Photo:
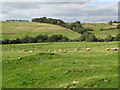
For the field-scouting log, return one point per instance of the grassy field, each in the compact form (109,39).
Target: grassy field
(81,69)
(12,30)
(96,29)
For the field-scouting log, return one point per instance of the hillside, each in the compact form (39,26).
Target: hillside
(12,30)
(96,29)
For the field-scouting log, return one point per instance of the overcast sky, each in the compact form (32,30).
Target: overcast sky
(97,11)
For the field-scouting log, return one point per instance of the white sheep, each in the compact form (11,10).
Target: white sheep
(65,51)
(60,50)
(75,49)
(25,50)
(54,51)
(49,50)
(107,49)
(88,49)
(31,51)
(115,49)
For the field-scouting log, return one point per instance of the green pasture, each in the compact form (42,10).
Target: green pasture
(12,30)
(97,32)
(96,68)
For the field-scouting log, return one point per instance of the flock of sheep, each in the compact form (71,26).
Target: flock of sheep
(75,50)
(87,49)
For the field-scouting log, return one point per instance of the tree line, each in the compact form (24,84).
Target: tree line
(37,39)
(92,38)
(76,26)
(111,22)
(87,37)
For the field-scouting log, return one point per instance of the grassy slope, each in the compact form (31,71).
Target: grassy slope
(96,68)
(97,26)
(11,30)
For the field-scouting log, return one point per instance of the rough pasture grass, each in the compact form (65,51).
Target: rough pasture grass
(12,30)
(97,26)
(39,69)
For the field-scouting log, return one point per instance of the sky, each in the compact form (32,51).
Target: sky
(96,11)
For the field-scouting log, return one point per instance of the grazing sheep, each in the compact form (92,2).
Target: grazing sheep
(60,50)
(35,46)
(31,51)
(65,51)
(88,49)
(54,51)
(75,82)
(49,50)
(24,50)
(19,58)
(75,49)
(107,46)
(107,49)
(116,49)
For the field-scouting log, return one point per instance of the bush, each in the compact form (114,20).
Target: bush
(88,37)
(91,38)
(118,26)
(56,38)
(117,37)
(41,38)
(37,39)
(109,38)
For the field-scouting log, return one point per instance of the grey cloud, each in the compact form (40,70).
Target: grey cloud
(49,0)
(83,11)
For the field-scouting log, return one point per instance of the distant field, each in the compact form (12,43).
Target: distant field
(97,26)
(12,30)
(81,69)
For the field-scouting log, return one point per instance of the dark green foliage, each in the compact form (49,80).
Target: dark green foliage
(27,39)
(47,54)
(83,37)
(6,41)
(56,38)
(118,27)
(76,26)
(110,22)
(104,29)
(91,38)
(41,38)
(100,40)
(49,20)
(37,39)
(64,39)
(109,38)
(69,26)
(117,37)
(78,22)
(88,37)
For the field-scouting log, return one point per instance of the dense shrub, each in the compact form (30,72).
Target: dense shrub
(88,37)
(91,38)
(109,38)
(49,20)
(118,26)
(57,38)
(37,39)
(117,37)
